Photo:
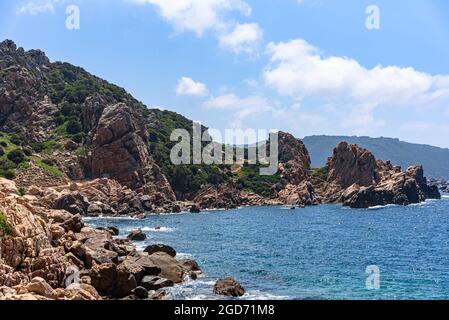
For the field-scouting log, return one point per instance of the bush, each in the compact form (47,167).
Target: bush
(22,191)
(49,162)
(74,127)
(17,139)
(28,152)
(3,144)
(17,156)
(5,227)
(9,174)
(37,147)
(2,152)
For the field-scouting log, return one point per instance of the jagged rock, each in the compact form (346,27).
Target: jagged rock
(302,194)
(140,265)
(170,268)
(224,196)
(153,248)
(81,292)
(74,203)
(39,286)
(358,180)
(112,230)
(294,159)
(195,209)
(228,287)
(189,265)
(156,283)
(401,188)
(350,165)
(140,292)
(137,235)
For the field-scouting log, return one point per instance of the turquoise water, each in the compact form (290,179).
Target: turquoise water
(314,253)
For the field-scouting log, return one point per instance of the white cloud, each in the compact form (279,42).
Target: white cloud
(244,38)
(300,70)
(188,87)
(243,108)
(198,16)
(201,16)
(35,7)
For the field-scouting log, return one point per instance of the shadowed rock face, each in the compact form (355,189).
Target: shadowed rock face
(119,144)
(350,165)
(294,159)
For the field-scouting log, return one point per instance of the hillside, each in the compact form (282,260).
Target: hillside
(434,160)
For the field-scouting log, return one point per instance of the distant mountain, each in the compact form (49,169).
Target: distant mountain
(435,160)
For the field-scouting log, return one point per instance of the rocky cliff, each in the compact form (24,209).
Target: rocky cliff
(60,124)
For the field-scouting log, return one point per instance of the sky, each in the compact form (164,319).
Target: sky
(336,67)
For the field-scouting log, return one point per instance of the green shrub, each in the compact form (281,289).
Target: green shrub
(17,156)
(74,127)
(17,139)
(9,174)
(48,161)
(37,147)
(5,227)
(22,191)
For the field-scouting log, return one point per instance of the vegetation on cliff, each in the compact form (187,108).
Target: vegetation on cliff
(5,227)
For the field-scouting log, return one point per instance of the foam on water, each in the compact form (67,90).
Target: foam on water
(158,229)
(382,207)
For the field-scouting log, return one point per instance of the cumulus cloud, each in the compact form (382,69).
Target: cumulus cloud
(300,70)
(243,38)
(198,16)
(201,16)
(35,7)
(242,108)
(188,87)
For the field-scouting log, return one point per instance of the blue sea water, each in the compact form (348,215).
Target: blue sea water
(314,253)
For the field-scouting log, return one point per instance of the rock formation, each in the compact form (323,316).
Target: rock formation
(357,180)
(228,287)
(49,254)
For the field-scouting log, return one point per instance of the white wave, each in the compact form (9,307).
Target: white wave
(181,255)
(382,207)
(158,229)
(258,295)
(445,196)
(87,219)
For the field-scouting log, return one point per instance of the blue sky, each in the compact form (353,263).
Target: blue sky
(307,67)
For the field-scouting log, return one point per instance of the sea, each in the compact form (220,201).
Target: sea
(325,252)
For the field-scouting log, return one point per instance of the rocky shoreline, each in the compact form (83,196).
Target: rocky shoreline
(73,145)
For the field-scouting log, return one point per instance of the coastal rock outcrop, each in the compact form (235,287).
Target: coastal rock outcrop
(49,254)
(228,287)
(356,179)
